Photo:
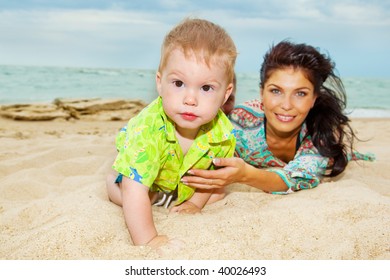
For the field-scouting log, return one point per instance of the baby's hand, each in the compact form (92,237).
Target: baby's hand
(186,207)
(169,249)
(158,241)
(165,246)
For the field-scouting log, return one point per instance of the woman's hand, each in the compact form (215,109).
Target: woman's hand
(231,170)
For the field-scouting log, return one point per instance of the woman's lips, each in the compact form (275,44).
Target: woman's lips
(284,118)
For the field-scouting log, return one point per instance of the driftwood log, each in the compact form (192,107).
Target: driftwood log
(83,109)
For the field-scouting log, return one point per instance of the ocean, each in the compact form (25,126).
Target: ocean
(367,97)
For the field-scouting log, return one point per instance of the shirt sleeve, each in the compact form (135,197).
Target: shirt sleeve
(303,172)
(138,154)
(355,155)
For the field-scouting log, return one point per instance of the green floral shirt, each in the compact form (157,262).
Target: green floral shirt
(149,152)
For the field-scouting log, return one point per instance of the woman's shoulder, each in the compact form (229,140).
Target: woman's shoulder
(248,114)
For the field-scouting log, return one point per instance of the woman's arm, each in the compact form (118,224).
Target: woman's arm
(235,170)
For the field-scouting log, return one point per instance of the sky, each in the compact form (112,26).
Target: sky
(128,34)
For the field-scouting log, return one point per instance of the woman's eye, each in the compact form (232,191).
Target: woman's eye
(178,83)
(207,88)
(301,93)
(275,91)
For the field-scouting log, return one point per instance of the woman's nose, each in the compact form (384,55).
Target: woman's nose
(286,103)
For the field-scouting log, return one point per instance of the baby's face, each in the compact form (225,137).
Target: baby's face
(192,92)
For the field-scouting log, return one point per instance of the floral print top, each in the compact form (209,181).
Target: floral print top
(303,172)
(149,152)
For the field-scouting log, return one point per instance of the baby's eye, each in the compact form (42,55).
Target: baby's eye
(207,88)
(178,83)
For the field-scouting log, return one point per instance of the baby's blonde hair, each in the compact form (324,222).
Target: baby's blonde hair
(207,41)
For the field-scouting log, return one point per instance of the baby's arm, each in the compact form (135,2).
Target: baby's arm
(138,214)
(195,203)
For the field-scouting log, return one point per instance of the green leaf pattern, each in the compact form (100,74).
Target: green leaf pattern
(148,150)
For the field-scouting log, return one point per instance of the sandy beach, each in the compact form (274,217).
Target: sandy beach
(53,203)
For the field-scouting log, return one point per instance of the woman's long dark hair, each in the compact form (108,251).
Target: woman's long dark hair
(327,124)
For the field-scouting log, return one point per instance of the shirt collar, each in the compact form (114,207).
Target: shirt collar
(217,130)
(169,124)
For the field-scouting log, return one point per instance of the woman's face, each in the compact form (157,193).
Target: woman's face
(287,97)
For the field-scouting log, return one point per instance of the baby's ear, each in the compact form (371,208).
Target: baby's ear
(228,92)
(158,83)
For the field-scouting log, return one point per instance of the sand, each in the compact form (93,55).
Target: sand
(53,204)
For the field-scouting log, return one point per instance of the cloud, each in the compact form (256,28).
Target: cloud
(129,33)
(45,36)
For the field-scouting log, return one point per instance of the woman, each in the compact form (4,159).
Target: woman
(296,135)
